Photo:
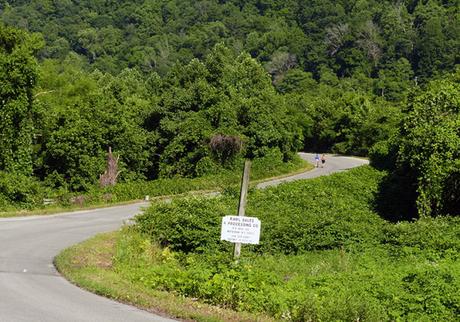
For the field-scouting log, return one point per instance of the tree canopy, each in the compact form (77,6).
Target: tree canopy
(349,37)
(185,88)
(223,95)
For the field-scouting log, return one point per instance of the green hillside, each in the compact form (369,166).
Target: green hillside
(390,40)
(109,101)
(326,254)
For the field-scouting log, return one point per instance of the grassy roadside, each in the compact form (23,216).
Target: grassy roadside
(130,193)
(89,265)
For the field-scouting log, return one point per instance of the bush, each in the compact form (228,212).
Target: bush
(324,254)
(20,191)
(329,285)
(273,163)
(432,238)
(188,225)
(383,155)
(323,213)
(429,146)
(214,179)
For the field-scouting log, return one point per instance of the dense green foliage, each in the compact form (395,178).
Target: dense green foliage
(159,127)
(60,129)
(345,66)
(325,254)
(297,217)
(81,115)
(373,38)
(425,155)
(181,89)
(18,75)
(430,146)
(340,115)
(20,192)
(374,285)
(224,95)
(262,168)
(176,88)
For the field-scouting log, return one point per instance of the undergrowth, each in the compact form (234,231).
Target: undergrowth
(22,193)
(325,254)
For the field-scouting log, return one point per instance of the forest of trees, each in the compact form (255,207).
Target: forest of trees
(386,43)
(158,80)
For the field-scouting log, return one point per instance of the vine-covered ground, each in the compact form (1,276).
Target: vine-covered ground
(325,254)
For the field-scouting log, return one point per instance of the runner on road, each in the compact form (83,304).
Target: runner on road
(317,160)
(323,160)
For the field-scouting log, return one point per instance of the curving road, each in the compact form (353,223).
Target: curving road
(333,164)
(32,290)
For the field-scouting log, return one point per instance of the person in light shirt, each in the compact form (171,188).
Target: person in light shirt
(317,160)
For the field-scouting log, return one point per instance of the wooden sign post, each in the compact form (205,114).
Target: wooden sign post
(243,198)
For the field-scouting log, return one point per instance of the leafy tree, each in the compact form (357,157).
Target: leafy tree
(398,32)
(18,75)
(347,36)
(296,80)
(82,116)
(438,33)
(430,145)
(343,119)
(145,78)
(224,95)
(423,157)
(395,81)
(430,41)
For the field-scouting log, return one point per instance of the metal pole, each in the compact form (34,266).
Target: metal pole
(243,198)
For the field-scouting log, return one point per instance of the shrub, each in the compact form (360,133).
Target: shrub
(323,213)
(324,254)
(317,286)
(19,190)
(428,146)
(188,224)
(383,154)
(432,238)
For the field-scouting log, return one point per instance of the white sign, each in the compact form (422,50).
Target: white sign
(240,229)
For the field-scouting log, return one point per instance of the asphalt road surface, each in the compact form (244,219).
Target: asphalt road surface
(32,290)
(333,164)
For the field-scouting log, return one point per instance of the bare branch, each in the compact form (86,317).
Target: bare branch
(43,93)
(225,147)
(369,41)
(335,37)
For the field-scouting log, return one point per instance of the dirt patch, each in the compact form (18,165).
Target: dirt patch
(104,258)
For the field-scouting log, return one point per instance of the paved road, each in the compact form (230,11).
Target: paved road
(333,164)
(32,290)
(30,287)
